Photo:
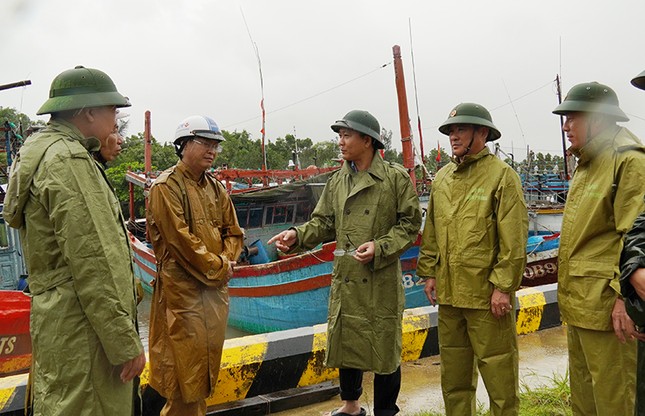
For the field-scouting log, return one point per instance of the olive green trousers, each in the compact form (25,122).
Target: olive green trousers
(471,339)
(602,373)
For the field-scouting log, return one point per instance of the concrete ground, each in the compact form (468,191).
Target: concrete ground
(542,354)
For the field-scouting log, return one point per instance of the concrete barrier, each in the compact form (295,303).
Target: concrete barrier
(259,365)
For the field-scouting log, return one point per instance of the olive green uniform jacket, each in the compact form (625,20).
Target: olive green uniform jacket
(366,301)
(83,307)
(474,238)
(605,197)
(632,258)
(194,232)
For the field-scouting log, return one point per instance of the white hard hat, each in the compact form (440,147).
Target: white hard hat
(198,126)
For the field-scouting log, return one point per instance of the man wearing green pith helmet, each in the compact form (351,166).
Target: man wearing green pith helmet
(605,196)
(632,285)
(371,209)
(86,348)
(472,258)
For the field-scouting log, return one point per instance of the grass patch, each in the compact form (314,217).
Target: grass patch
(551,399)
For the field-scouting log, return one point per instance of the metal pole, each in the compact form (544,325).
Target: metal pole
(564,143)
(404,116)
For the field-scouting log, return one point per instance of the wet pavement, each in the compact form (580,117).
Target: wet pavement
(543,354)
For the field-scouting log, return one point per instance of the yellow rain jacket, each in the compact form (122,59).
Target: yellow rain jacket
(605,198)
(366,301)
(194,231)
(475,234)
(83,307)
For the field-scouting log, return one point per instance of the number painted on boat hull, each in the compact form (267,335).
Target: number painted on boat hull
(536,271)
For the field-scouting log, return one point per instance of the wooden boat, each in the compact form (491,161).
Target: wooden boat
(15,341)
(293,292)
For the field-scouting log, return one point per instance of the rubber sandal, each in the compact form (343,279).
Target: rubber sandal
(363,412)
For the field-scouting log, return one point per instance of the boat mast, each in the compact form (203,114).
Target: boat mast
(404,115)
(564,143)
(416,97)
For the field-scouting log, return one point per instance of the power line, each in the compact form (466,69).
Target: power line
(313,96)
(511,101)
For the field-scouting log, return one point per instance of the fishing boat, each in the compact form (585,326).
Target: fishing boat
(15,341)
(285,293)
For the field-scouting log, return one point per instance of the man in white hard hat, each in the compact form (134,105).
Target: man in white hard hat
(196,239)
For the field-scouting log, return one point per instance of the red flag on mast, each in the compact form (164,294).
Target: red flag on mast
(438,158)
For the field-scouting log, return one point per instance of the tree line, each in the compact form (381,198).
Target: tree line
(241,151)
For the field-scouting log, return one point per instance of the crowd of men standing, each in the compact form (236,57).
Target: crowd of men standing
(87,354)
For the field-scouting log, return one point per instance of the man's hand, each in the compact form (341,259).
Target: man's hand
(637,279)
(229,274)
(365,252)
(500,303)
(624,327)
(284,240)
(430,290)
(133,368)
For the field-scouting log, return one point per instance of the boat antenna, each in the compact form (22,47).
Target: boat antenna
(257,55)
(564,142)
(416,96)
(515,113)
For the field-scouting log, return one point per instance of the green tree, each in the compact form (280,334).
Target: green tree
(389,153)
(432,164)
(239,151)
(132,158)
(322,154)
(19,125)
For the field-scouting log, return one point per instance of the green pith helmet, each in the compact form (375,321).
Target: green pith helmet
(639,81)
(591,97)
(471,113)
(82,88)
(362,122)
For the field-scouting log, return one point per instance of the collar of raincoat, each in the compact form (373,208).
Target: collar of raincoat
(470,159)
(183,169)
(376,169)
(92,144)
(596,144)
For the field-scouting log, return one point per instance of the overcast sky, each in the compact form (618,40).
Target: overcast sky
(322,59)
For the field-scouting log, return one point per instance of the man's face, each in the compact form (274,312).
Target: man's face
(103,122)
(461,136)
(575,126)
(353,144)
(111,147)
(199,153)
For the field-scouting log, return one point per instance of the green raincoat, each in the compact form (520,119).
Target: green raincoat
(633,257)
(475,234)
(366,301)
(83,307)
(605,197)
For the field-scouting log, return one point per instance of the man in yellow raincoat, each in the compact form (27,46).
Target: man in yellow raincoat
(371,209)
(196,239)
(605,197)
(472,258)
(86,348)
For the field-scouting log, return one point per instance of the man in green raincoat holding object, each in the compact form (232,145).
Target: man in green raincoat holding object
(371,209)
(605,196)
(632,285)
(85,344)
(472,258)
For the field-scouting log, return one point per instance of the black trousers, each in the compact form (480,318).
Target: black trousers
(386,389)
